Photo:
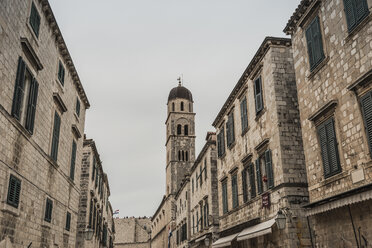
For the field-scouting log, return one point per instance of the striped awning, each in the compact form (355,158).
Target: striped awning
(225,241)
(359,197)
(256,230)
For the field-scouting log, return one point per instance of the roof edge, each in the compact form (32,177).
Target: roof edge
(297,14)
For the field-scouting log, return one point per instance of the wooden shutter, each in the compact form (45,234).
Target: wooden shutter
(232,128)
(201,175)
(90,213)
(73,160)
(243,113)
(310,44)
(224,197)
(361,9)
(258,95)
(269,169)
(244,185)
(61,73)
(68,221)
(259,177)
(31,107)
(318,42)
(35,20)
(48,210)
(14,191)
(334,162)
(93,167)
(252,180)
(77,106)
(19,89)
(324,150)
(205,169)
(55,139)
(349,12)
(234,191)
(366,102)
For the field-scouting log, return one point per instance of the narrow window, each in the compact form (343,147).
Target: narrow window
(356,11)
(173,107)
(14,191)
(221,142)
(186,130)
(234,188)
(252,180)
(190,107)
(269,170)
(201,176)
(205,168)
(245,184)
(48,210)
(55,139)
(193,224)
(94,167)
(197,221)
(329,150)
(35,20)
(183,155)
(182,106)
(90,213)
(179,129)
(179,155)
(258,95)
(187,156)
(61,73)
(314,43)
(25,97)
(201,217)
(259,177)
(230,129)
(196,179)
(77,110)
(366,103)
(192,185)
(224,197)
(68,221)
(73,159)
(244,114)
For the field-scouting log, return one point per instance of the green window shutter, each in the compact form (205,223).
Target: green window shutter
(31,108)
(324,150)
(234,186)
(93,167)
(35,20)
(232,127)
(252,180)
(224,197)
(366,102)
(68,221)
(259,177)
(73,160)
(19,89)
(48,210)
(310,46)
(332,147)
(355,11)
(201,176)
(361,9)
(258,94)
(244,185)
(55,139)
(61,73)
(77,107)
(221,142)
(349,12)
(243,114)
(269,169)
(14,191)
(314,43)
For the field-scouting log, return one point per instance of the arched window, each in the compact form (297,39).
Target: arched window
(186,131)
(173,106)
(183,156)
(179,129)
(182,107)
(187,156)
(179,155)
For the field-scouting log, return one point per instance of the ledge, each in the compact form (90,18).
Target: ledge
(262,144)
(360,82)
(358,27)
(58,100)
(324,109)
(247,158)
(318,67)
(76,131)
(31,54)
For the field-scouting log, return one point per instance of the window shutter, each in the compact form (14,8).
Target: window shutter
(77,106)
(55,139)
(252,180)
(317,40)
(269,169)
(258,95)
(73,159)
(366,102)
(334,162)
(48,210)
(259,176)
(201,176)
(310,44)
(244,184)
(324,150)
(35,20)
(243,113)
(14,191)
(31,108)
(90,213)
(93,168)
(68,221)
(19,89)
(232,127)
(361,10)
(224,197)
(349,12)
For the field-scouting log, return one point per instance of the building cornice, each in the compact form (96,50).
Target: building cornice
(297,15)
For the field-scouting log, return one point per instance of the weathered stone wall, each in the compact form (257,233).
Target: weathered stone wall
(28,156)
(132,232)
(182,201)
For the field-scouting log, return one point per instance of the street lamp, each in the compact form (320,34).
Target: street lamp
(280,220)
(206,242)
(88,233)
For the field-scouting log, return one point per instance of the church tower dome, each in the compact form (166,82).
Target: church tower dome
(180,92)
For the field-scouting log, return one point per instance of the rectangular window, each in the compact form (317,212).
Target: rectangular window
(329,150)
(196,179)
(197,221)
(48,210)
(356,11)
(14,191)
(77,110)
(192,185)
(221,142)
(25,96)
(73,159)
(244,114)
(366,103)
(90,213)
(314,43)
(205,169)
(252,181)
(258,94)
(201,217)
(245,184)
(193,224)
(201,176)
(35,20)
(264,172)
(55,139)
(224,197)
(94,167)
(234,189)
(61,73)
(259,177)
(230,129)
(68,221)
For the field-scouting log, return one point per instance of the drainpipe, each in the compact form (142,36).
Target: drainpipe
(352,222)
(311,235)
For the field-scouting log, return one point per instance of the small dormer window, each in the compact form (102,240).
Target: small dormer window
(182,106)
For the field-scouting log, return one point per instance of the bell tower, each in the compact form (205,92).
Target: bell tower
(180,137)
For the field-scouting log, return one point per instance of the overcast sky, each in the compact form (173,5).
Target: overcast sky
(129,53)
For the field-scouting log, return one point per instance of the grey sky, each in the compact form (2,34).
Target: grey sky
(129,54)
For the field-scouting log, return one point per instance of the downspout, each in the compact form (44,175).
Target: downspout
(311,235)
(352,222)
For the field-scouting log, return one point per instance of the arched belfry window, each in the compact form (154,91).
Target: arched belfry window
(183,156)
(186,131)
(179,155)
(187,156)
(179,129)
(173,106)
(182,107)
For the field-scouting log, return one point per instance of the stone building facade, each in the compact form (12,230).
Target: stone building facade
(95,211)
(203,226)
(261,164)
(181,234)
(180,155)
(42,116)
(332,48)
(132,232)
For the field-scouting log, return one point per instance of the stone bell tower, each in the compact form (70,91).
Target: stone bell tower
(180,140)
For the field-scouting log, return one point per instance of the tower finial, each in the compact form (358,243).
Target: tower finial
(179,81)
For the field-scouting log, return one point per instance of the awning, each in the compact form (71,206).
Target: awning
(359,197)
(225,241)
(200,239)
(257,230)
